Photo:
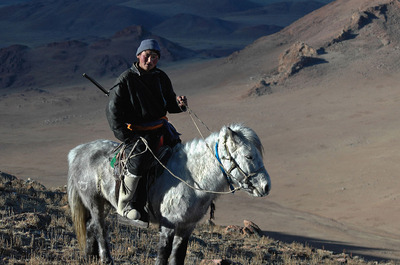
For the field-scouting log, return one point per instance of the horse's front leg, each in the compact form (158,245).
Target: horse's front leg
(165,245)
(179,246)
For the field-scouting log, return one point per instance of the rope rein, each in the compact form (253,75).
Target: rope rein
(226,173)
(180,179)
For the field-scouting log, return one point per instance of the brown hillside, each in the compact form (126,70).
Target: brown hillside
(329,128)
(370,26)
(36,228)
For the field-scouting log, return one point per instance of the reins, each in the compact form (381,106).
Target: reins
(177,177)
(226,173)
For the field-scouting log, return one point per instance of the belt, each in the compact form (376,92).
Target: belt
(148,126)
(163,121)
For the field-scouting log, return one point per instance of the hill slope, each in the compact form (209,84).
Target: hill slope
(323,96)
(35,227)
(323,93)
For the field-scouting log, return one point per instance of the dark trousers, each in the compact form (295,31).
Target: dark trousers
(140,158)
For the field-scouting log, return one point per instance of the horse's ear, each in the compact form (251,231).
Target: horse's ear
(224,134)
(227,133)
(232,134)
(227,136)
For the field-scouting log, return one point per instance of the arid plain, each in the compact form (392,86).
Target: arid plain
(328,117)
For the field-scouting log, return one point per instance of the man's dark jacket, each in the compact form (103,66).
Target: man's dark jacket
(140,97)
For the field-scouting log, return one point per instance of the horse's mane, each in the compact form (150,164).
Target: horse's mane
(244,133)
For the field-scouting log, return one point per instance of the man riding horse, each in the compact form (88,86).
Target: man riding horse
(137,108)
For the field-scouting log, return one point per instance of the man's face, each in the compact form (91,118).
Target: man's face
(148,59)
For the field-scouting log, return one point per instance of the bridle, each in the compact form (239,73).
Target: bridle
(227,174)
(234,165)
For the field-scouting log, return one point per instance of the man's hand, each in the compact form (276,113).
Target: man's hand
(182,101)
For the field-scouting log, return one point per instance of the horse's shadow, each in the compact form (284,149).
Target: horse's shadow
(331,245)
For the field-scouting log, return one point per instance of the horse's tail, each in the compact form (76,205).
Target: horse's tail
(79,212)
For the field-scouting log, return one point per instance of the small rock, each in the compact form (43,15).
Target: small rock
(341,260)
(251,228)
(215,262)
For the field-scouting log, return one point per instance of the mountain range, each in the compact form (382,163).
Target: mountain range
(63,38)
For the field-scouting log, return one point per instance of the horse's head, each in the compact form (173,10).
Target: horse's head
(241,155)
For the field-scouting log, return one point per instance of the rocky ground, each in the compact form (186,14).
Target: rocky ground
(35,228)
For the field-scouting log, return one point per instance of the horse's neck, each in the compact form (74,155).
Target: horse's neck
(203,166)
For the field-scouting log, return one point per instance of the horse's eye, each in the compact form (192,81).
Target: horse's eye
(249,157)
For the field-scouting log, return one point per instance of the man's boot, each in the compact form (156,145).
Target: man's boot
(126,192)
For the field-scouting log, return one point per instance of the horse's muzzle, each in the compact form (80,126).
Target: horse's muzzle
(265,185)
(261,191)
(267,188)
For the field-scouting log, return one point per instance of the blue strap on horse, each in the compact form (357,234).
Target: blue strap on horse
(228,178)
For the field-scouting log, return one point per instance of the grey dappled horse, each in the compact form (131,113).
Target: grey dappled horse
(176,206)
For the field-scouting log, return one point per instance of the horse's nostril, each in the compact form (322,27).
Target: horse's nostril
(266,189)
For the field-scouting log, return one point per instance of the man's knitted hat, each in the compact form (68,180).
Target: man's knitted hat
(149,44)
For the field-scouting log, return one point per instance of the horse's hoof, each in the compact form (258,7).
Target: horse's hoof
(108,261)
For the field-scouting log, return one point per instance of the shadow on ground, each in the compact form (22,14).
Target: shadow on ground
(335,246)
